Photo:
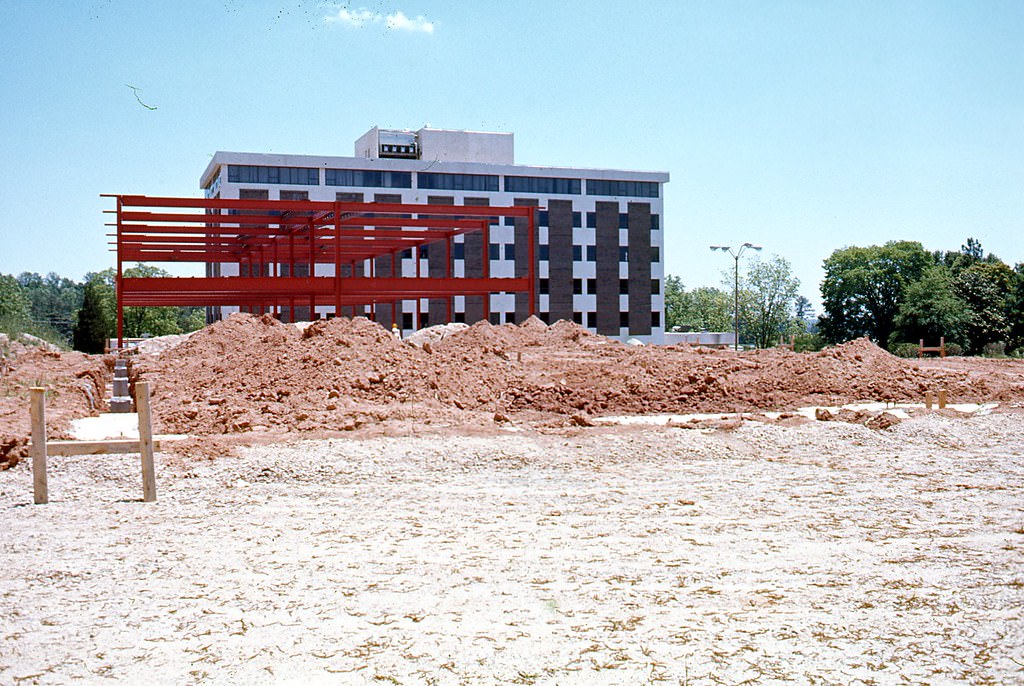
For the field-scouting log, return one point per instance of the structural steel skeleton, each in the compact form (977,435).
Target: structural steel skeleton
(277,245)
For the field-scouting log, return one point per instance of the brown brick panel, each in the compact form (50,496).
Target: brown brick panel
(474,265)
(522,261)
(639,239)
(560,260)
(437,256)
(384,266)
(607,247)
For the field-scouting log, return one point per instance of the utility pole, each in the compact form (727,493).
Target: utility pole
(736,284)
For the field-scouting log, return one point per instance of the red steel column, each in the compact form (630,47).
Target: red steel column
(118,284)
(532,273)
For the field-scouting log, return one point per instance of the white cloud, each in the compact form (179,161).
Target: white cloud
(397,20)
(358,18)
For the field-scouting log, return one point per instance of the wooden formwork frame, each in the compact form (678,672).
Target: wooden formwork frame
(40,447)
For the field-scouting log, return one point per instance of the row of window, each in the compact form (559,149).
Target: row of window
(577,220)
(580,253)
(589,286)
(368,178)
(299,176)
(310,176)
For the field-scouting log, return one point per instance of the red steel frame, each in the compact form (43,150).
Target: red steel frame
(261,236)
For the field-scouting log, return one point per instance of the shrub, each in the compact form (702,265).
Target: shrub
(997,349)
(808,343)
(904,349)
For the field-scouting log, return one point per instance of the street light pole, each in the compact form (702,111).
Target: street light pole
(736,285)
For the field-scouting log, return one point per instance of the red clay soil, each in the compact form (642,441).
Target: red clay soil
(75,386)
(252,376)
(255,374)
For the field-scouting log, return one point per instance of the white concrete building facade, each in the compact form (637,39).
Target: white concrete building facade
(601,231)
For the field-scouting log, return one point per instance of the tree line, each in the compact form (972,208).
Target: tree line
(897,294)
(83,314)
(771,308)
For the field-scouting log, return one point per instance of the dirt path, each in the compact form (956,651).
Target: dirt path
(822,553)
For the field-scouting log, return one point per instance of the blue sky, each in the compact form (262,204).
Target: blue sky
(802,126)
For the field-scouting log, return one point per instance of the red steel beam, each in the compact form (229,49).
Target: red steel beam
(161,229)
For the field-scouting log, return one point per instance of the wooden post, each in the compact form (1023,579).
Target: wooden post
(38,412)
(929,398)
(146,441)
(942,398)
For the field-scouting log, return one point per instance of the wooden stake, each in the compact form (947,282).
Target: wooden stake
(929,398)
(38,411)
(942,398)
(146,441)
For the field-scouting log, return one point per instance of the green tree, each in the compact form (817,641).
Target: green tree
(709,309)
(864,287)
(94,324)
(767,306)
(54,301)
(1015,309)
(930,310)
(674,301)
(14,305)
(984,287)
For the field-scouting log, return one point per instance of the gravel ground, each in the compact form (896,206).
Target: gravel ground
(813,554)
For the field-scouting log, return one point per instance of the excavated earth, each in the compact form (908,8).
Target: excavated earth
(75,385)
(252,373)
(250,376)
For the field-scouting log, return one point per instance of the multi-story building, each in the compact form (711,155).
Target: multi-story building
(601,231)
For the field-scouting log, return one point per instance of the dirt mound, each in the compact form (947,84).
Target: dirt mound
(256,374)
(76,387)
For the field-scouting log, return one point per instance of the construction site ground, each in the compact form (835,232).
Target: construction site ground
(350,508)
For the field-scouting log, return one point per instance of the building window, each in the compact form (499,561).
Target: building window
(542,218)
(405,254)
(634,189)
(655,222)
(296,176)
(368,178)
(623,220)
(623,286)
(623,320)
(591,253)
(495,251)
(294,195)
(623,253)
(458,251)
(542,251)
(577,286)
(542,184)
(457,182)
(591,220)
(545,317)
(510,251)
(577,220)
(407,320)
(495,318)
(655,254)
(655,286)
(578,318)
(655,319)
(544,286)
(592,286)
(459,317)
(577,253)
